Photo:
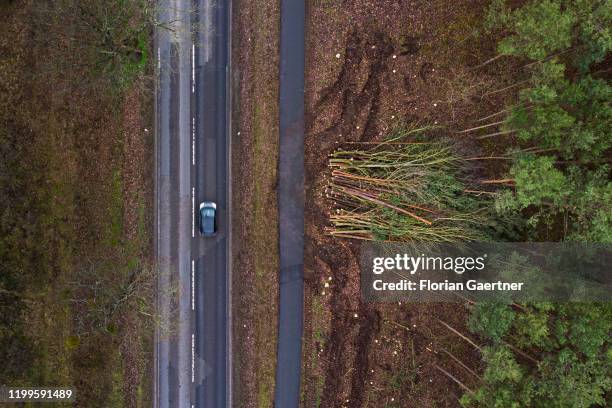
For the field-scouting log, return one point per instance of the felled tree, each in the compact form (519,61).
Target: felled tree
(403,191)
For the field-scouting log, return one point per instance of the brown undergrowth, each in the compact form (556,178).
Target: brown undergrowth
(371,65)
(78,224)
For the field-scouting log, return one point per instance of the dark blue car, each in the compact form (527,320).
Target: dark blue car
(208,218)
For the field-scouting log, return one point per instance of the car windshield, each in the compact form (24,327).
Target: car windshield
(209,212)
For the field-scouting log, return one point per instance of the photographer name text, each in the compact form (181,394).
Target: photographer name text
(428,285)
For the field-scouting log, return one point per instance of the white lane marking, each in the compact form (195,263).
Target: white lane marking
(193,140)
(192,357)
(192,68)
(158,58)
(192,212)
(192,284)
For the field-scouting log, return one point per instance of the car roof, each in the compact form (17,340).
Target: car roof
(208,204)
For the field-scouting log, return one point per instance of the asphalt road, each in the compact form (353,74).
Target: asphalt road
(192,359)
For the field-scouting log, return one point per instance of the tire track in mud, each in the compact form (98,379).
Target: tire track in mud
(366,54)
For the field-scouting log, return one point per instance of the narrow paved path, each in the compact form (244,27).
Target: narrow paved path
(291,204)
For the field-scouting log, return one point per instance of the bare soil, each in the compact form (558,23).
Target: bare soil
(370,65)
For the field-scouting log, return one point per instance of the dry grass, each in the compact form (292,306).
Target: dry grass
(255,225)
(73,122)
